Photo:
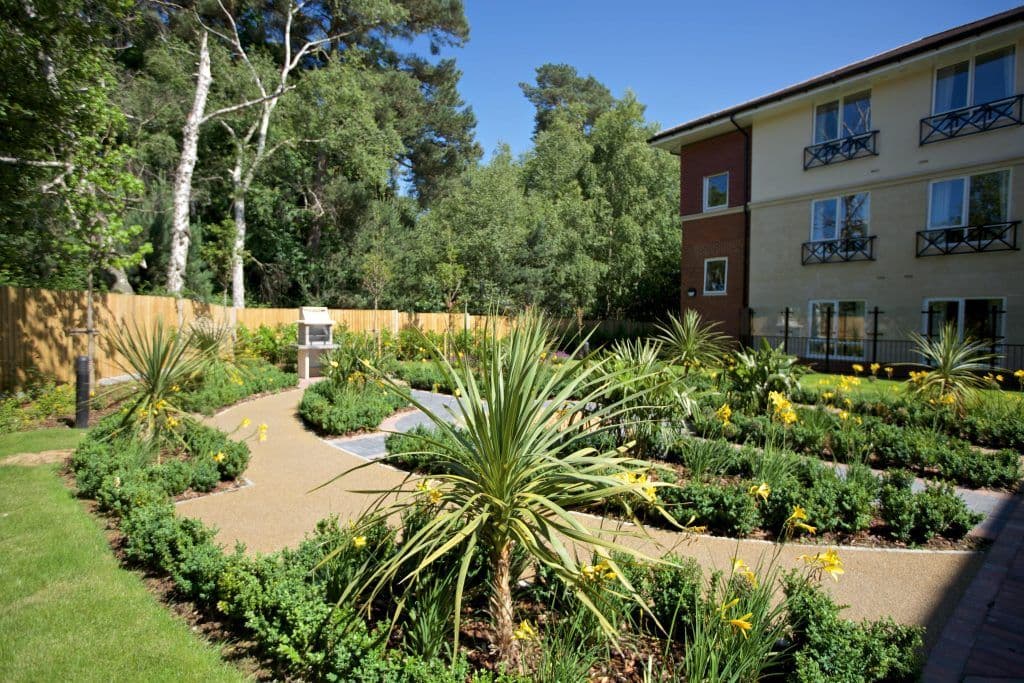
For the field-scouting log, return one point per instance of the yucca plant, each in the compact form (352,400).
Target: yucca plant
(956,367)
(691,342)
(506,479)
(161,361)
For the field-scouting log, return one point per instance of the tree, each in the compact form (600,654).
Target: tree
(559,87)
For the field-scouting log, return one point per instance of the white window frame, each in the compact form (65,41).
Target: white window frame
(839,206)
(704,199)
(961,310)
(725,278)
(966,207)
(839,116)
(970,77)
(835,324)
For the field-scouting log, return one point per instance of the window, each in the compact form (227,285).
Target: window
(715,272)
(840,218)
(986,78)
(853,117)
(836,327)
(716,191)
(978,319)
(976,200)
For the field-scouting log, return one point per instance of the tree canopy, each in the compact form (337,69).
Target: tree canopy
(339,168)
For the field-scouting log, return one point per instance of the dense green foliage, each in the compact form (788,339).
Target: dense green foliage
(342,407)
(222,384)
(364,187)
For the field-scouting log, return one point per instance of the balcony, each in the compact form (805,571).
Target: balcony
(970,120)
(843,149)
(839,251)
(972,239)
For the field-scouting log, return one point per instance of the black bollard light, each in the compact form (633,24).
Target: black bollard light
(81,392)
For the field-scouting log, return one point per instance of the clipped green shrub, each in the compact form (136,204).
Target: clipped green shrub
(918,517)
(204,443)
(424,375)
(344,407)
(829,648)
(728,510)
(222,384)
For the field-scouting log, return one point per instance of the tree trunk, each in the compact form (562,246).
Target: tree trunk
(501,608)
(238,247)
(183,177)
(90,331)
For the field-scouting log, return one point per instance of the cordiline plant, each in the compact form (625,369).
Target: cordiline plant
(956,367)
(161,361)
(691,342)
(507,478)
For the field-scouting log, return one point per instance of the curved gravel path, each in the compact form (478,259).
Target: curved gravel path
(280,507)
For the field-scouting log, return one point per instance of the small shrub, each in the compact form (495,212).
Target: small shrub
(728,510)
(424,375)
(829,648)
(918,517)
(341,408)
(204,443)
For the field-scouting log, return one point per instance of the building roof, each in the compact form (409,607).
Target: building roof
(929,43)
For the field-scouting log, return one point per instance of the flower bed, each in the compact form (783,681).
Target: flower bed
(222,384)
(342,407)
(298,606)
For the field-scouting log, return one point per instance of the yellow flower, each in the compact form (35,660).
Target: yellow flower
(245,422)
(761,491)
(797,520)
(359,541)
(743,569)
(828,395)
(457,393)
(262,433)
(827,562)
(334,363)
(889,370)
(525,632)
(1019,374)
(726,606)
(171,421)
(948,399)
(798,513)
(724,413)
(843,415)
(742,623)
(999,378)
(219,457)
(875,367)
(858,368)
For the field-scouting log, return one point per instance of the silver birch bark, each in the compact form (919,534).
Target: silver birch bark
(180,234)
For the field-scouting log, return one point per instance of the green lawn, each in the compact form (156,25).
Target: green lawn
(39,440)
(869,387)
(68,612)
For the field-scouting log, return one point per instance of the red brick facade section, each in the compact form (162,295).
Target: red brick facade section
(714,234)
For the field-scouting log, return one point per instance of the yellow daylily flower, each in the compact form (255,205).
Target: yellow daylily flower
(858,368)
(359,541)
(762,490)
(525,632)
(742,624)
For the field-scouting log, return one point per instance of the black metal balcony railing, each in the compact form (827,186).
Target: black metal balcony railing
(968,240)
(843,149)
(839,251)
(971,120)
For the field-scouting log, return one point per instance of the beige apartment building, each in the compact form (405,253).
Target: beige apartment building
(883,198)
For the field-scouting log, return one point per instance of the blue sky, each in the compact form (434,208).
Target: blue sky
(681,58)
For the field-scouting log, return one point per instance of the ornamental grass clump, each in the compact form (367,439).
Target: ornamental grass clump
(691,343)
(508,476)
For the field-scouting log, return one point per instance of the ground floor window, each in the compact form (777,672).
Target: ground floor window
(836,328)
(715,271)
(977,318)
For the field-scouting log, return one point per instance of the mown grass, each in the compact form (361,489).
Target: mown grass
(68,612)
(39,440)
(871,388)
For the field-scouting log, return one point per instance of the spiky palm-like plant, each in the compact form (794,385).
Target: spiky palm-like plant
(691,342)
(508,477)
(161,361)
(956,367)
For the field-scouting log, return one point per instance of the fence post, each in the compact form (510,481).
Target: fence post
(82,390)
(874,335)
(994,329)
(828,338)
(785,333)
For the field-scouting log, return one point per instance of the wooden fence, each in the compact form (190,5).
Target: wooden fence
(41,330)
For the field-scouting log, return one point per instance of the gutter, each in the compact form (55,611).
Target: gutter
(747,172)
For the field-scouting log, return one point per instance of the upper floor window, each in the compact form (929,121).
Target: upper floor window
(716,191)
(840,218)
(843,118)
(986,78)
(981,199)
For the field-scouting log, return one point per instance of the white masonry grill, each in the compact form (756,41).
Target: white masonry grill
(316,335)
